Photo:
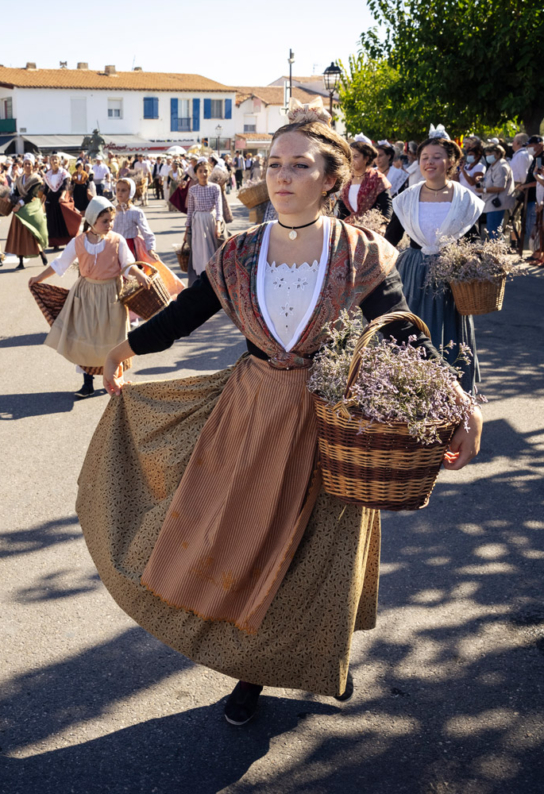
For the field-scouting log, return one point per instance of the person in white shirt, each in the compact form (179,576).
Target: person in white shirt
(521,161)
(413,170)
(100,173)
(472,168)
(164,173)
(157,178)
(396,175)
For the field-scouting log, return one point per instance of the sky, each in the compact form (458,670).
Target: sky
(233,42)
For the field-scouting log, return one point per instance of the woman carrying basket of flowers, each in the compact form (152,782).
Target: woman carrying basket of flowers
(247,566)
(92,318)
(434,213)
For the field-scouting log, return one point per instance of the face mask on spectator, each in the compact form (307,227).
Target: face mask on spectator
(470,159)
(531,150)
(490,158)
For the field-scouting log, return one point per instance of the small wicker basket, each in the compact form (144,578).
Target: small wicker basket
(478,297)
(6,207)
(145,301)
(376,465)
(254,195)
(183,255)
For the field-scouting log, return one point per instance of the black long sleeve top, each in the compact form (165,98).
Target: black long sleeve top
(198,303)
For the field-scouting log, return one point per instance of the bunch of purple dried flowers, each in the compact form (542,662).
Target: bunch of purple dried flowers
(371,219)
(464,260)
(396,383)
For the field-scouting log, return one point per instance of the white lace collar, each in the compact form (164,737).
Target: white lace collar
(261,268)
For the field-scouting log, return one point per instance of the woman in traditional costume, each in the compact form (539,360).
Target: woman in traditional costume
(247,566)
(80,187)
(204,220)
(173,181)
(433,213)
(220,176)
(92,317)
(27,236)
(63,221)
(368,188)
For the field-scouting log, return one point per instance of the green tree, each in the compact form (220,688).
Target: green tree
(479,62)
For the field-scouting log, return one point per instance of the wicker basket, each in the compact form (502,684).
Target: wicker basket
(183,254)
(5,206)
(478,297)
(145,301)
(254,195)
(373,464)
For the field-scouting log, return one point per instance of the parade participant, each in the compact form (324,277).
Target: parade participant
(157,179)
(256,572)
(130,220)
(100,172)
(367,188)
(56,183)
(92,318)
(220,176)
(27,236)
(397,177)
(124,170)
(433,213)
(204,216)
(80,187)
(175,178)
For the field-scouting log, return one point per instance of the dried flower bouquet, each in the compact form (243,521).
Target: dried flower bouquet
(385,415)
(476,272)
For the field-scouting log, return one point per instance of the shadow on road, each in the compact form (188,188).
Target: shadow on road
(20,406)
(50,533)
(25,340)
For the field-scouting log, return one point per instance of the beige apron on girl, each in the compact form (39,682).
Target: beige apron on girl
(93,320)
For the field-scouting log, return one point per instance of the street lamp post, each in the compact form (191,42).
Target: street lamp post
(218,131)
(291,60)
(331,78)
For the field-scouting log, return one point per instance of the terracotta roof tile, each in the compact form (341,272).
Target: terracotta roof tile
(254,136)
(271,94)
(121,81)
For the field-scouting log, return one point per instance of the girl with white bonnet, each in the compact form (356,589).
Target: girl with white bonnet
(27,235)
(130,221)
(92,318)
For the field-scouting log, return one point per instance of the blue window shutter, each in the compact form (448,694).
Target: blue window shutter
(151,107)
(155,107)
(207,108)
(147,108)
(196,115)
(228,108)
(173,115)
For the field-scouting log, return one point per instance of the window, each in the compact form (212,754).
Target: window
(115,108)
(180,115)
(6,108)
(213,109)
(250,124)
(151,107)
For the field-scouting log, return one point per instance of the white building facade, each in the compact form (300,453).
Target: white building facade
(154,107)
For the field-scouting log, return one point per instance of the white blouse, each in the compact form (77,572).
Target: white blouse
(69,255)
(353,193)
(431,218)
(288,294)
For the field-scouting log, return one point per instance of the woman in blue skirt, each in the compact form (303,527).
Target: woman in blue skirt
(433,213)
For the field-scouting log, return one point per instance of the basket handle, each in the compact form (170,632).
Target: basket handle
(370,331)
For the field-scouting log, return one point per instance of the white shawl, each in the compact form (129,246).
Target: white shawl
(465,210)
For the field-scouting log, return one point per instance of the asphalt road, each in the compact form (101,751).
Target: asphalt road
(449,687)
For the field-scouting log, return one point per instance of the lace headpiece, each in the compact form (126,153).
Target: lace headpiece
(438,132)
(361,138)
(311,111)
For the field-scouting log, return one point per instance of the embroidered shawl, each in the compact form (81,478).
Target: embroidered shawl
(359,260)
(24,188)
(56,182)
(373,183)
(465,210)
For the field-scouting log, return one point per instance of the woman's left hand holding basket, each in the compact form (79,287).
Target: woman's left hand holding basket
(464,445)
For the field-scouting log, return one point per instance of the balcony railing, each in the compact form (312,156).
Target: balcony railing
(8,125)
(184,125)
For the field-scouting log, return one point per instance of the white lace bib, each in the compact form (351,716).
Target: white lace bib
(288,294)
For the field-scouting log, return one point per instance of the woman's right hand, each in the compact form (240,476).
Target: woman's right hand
(112,377)
(34,280)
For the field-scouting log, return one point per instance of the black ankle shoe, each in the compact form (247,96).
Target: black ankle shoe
(21,265)
(87,389)
(242,703)
(348,691)
(43,258)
